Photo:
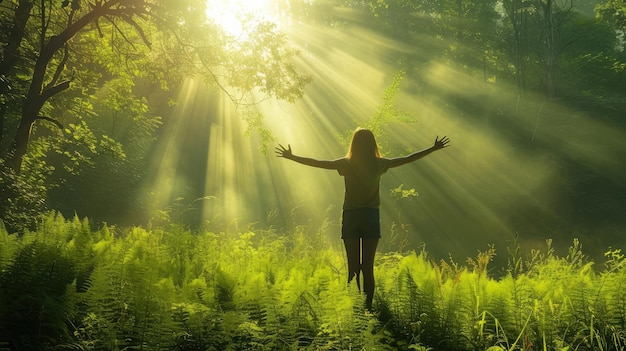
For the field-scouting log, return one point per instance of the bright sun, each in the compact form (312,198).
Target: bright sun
(233,15)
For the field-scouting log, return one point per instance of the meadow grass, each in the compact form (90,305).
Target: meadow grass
(66,286)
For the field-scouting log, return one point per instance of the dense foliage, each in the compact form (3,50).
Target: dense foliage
(87,86)
(66,286)
(87,83)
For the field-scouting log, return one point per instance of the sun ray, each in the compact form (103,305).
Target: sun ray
(486,188)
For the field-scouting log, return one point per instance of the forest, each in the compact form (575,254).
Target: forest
(141,207)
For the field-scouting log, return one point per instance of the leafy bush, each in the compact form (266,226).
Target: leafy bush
(22,196)
(66,286)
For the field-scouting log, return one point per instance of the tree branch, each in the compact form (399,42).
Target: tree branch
(52,120)
(53,90)
(60,68)
(138,28)
(100,33)
(120,32)
(128,19)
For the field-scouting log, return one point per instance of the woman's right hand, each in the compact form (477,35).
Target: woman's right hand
(281,151)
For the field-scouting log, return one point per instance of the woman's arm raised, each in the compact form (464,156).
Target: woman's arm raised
(281,151)
(438,145)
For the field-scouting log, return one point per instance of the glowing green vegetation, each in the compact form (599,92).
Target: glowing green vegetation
(68,287)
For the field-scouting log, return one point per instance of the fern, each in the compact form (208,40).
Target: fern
(67,286)
(33,291)
(305,319)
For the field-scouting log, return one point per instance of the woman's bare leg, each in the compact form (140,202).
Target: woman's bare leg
(367,266)
(353,253)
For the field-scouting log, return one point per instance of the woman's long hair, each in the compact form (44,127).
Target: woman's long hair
(363,145)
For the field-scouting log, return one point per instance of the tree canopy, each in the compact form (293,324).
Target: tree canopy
(67,63)
(87,87)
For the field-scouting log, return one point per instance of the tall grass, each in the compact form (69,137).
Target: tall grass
(66,286)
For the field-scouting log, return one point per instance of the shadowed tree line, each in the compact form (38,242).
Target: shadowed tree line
(86,86)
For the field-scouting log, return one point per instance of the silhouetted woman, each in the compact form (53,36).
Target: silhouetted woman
(361,168)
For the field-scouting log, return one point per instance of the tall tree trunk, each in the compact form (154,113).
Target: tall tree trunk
(38,94)
(3,110)
(517,16)
(35,98)
(11,53)
(549,48)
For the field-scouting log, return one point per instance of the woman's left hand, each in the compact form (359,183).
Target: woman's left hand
(441,143)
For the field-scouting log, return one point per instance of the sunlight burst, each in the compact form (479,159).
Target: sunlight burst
(236,16)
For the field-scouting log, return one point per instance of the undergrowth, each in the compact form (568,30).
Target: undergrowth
(68,287)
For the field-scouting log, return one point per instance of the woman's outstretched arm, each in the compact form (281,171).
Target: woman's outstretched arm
(281,151)
(438,145)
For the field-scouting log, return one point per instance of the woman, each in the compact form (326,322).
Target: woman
(361,168)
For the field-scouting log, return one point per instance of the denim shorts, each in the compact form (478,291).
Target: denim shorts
(360,223)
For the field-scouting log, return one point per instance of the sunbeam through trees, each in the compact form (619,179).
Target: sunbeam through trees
(140,207)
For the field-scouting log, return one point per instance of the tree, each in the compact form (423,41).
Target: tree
(53,51)
(550,17)
(516,11)
(537,35)
(613,11)
(57,54)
